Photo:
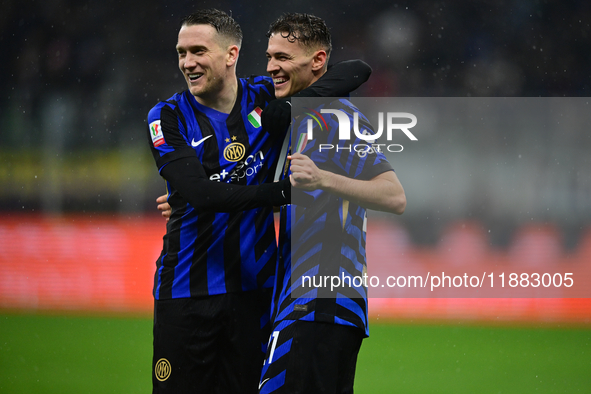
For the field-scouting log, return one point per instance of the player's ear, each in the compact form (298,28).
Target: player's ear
(232,55)
(319,60)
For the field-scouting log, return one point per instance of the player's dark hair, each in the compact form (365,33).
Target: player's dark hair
(223,23)
(309,30)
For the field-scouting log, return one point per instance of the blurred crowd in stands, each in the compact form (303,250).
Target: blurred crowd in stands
(81,75)
(107,62)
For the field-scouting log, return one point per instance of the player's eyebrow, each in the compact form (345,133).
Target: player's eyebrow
(278,54)
(193,48)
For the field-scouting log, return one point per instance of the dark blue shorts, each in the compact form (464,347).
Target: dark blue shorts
(211,344)
(311,357)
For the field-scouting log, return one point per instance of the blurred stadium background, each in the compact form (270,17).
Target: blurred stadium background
(79,233)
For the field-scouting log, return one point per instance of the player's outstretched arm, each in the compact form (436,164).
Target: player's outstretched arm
(381,193)
(188,177)
(179,165)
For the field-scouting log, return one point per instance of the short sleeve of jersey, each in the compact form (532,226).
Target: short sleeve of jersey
(167,132)
(354,158)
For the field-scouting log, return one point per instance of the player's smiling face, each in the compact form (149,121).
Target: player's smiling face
(291,65)
(203,59)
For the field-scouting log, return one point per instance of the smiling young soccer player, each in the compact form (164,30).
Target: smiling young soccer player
(316,333)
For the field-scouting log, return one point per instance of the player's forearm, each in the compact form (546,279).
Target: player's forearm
(187,177)
(340,79)
(382,193)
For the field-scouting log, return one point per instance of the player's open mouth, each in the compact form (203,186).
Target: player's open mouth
(280,80)
(194,77)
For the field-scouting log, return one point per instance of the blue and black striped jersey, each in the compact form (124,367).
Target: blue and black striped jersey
(326,238)
(211,253)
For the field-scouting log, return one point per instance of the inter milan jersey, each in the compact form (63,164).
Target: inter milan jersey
(326,238)
(211,253)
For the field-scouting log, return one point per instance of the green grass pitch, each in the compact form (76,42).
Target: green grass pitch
(53,354)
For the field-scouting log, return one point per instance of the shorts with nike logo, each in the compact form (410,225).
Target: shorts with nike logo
(310,357)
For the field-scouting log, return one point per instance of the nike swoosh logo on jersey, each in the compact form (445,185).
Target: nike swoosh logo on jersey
(263,382)
(196,144)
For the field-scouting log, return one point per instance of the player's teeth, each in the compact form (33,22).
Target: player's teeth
(279,80)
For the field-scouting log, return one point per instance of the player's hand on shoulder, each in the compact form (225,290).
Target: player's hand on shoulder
(276,116)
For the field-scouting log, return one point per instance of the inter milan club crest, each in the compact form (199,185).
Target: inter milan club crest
(162,369)
(235,151)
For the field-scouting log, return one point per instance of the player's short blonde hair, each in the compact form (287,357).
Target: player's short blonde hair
(223,23)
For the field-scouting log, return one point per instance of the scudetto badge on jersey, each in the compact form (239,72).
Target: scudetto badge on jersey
(156,133)
(255,117)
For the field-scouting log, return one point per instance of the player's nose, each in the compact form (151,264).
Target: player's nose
(272,66)
(190,61)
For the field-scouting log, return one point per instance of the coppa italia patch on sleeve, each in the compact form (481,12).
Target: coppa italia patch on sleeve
(156,133)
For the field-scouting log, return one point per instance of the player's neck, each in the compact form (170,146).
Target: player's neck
(224,99)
